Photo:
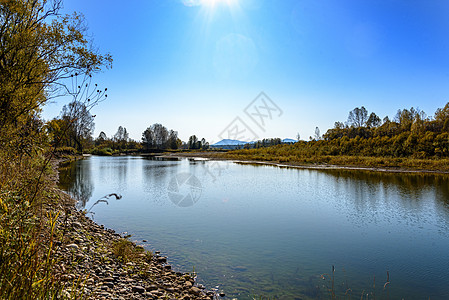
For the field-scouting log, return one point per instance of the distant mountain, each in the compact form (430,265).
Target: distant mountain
(228,142)
(289,141)
(234,144)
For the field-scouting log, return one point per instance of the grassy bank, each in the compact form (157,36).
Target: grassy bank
(29,207)
(288,154)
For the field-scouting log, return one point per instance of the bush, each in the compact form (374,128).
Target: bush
(102,151)
(125,251)
(61,151)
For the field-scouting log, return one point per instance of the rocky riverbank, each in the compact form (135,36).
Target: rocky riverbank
(97,263)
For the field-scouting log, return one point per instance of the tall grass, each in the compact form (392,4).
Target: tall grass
(316,153)
(27,228)
(343,291)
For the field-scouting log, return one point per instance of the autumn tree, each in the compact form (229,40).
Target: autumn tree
(160,134)
(193,142)
(158,137)
(442,117)
(57,130)
(373,120)
(121,134)
(173,140)
(40,52)
(338,131)
(357,117)
(121,137)
(405,118)
(101,138)
(148,138)
(80,124)
(39,49)
(204,144)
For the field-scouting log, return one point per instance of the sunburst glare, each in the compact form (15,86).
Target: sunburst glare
(213,3)
(210,3)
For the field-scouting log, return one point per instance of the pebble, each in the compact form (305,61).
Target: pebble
(72,246)
(86,254)
(138,289)
(195,290)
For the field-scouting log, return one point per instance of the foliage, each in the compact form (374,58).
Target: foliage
(39,51)
(195,144)
(126,251)
(75,125)
(265,143)
(26,267)
(61,151)
(358,117)
(121,137)
(158,137)
(74,128)
(119,143)
(412,141)
(102,151)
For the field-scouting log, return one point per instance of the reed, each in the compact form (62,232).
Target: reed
(342,291)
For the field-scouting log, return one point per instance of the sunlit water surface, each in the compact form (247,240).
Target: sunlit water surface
(277,232)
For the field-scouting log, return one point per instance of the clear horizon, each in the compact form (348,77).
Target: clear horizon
(195,66)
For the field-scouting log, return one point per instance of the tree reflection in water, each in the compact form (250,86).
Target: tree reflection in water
(76,180)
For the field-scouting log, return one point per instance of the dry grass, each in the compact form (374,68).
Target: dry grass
(127,251)
(27,230)
(289,155)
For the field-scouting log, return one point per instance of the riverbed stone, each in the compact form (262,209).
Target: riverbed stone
(72,246)
(196,291)
(86,255)
(138,289)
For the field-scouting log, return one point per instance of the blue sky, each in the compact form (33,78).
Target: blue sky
(195,65)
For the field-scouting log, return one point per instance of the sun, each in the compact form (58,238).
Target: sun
(213,3)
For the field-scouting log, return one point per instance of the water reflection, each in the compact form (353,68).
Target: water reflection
(75,178)
(374,197)
(272,231)
(407,182)
(160,158)
(156,175)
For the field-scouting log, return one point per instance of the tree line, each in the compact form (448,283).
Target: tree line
(410,139)
(410,133)
(74,127)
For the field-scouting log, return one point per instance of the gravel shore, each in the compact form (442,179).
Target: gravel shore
(90,267)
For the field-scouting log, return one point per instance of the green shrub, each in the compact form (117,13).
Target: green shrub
(125,251)
(61,151)
(102,151)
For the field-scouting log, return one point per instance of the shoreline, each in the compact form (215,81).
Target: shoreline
(296,165)
(95,262)
(87,255)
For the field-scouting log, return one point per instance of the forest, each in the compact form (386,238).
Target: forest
(410,140)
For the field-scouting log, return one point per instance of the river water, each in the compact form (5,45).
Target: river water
(266,231)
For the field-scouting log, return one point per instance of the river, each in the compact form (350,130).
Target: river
(267,231)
